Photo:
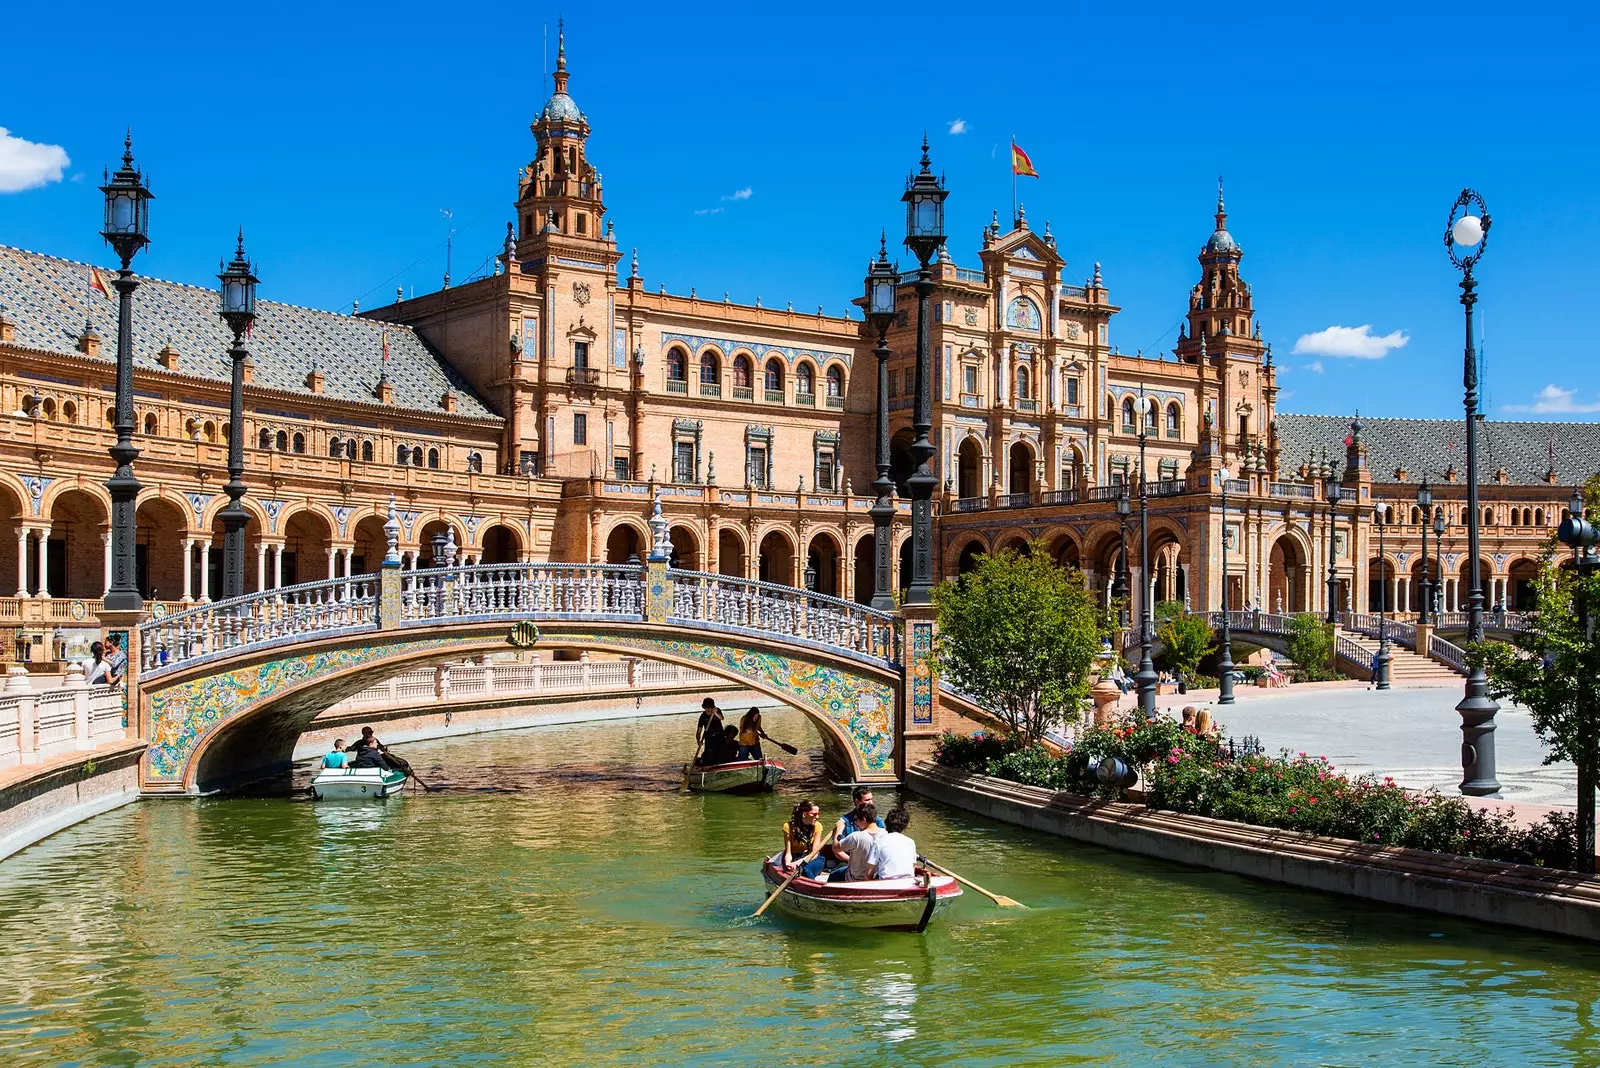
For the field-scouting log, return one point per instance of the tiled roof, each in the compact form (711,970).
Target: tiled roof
(49,300)
(1524,449)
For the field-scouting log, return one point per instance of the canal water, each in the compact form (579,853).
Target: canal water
(559,902)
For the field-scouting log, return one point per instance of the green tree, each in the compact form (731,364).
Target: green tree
(1188,638)
(1309,644)
(1020,635)
(1553,670)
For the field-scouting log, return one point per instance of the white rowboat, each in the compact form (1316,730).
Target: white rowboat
(355,784)
(738,777)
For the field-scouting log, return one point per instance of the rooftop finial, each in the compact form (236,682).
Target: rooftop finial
(927,164)
(1097,281)
(633,271)
(127,148)
(1222,212)
(883,246)
(240,251)
(561,44)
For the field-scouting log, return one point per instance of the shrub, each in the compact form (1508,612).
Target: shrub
(1310,645)
(1187,638)
(972,752)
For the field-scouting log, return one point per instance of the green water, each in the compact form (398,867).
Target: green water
(560,903)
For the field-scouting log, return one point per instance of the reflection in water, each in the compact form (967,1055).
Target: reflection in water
(561,902)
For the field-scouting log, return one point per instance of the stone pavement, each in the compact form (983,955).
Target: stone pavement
(1412,734)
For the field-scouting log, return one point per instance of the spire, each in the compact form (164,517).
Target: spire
(1222,211)
(561,55)
(1097,283)
(927,163)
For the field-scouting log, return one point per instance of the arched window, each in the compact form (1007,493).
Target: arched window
(69,412)
(50,408)
(1153,416)
(227,432)
(775,377)
(300,443)
(402,455)
(676,363)
(1022,382)
(710,369)
(433,458)
(1127,415)
(804,380)
(835,382)
(1174,420)
(366,451)
(1416,517)
(283,441)
(1488,517)
(209,431)
(1538,517)
(191,429)
(741,372)
(264,439)
(111,418)
(150,423)
(335,447)
(475,462)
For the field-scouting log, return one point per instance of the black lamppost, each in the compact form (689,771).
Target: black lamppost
(1381,669)
(1333,490)
(238,310)
(1225,658)
(1581,536)
(1146,677)
(880,308)
(1438,568)
(1424,584)
(924,199)
(1466,236)
(1119,584)
(127,231)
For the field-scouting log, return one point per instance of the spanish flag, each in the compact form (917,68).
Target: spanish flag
(100,282)
(1020,163)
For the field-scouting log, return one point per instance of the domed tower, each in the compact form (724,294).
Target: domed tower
(1221,302)
(559,191)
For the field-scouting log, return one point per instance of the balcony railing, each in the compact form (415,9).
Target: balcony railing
(971,504)
(835,402)
(710,389)
(1026,405)
(1302,490)
(743,393)
(583,376)
(774,396)
(808,399)
(967,274)
(1016,500)
(1063,496)
(677,385)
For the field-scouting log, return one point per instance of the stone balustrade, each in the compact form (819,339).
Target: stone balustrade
(38,724)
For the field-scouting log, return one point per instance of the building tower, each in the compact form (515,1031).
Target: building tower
(559,191)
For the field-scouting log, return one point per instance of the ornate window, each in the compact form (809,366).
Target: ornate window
(1023,314)
(475,462)
(402,455)
(366,451)
(805,382)
(299,443)
(825,460)
(835,382)
(433,458)
(263,439)
(150,424)
(710,369)
(580,428)
(741,372)
(1174,420)
(1023,382)
(676,365)
(283,441)
(774,380)
(1127,415)
(335,447)
(686,450)
(758,456)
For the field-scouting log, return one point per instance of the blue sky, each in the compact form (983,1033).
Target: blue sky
(335,134)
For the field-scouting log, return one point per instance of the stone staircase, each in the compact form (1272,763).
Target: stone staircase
(1406,668)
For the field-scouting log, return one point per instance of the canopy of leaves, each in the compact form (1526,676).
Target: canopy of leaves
(1187,638)
(1309,644)
(1020,635)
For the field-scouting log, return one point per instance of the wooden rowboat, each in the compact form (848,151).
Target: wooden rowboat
(356,784)
(738,777)
(892,904)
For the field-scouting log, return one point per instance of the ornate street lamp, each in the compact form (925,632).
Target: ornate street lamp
(1438,568)
(127,230)
(1146,677)
(1334,491)
(1581,536)
(924,199)
(809,575)
(1425,586)
(1466,236)
(1119,584)
(1225,658)
(238,310)
(880,308)
(1381,670)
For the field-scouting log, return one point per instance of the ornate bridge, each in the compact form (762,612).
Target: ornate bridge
(224,689)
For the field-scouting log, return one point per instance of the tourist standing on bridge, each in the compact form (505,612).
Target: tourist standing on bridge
(750,735)
(116,659)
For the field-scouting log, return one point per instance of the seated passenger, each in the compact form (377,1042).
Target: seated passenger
(856,847)
(802,840)
(893,855)
(337,758)
(718,747)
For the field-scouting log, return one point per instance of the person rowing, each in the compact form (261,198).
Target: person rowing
(750,735)
(708,731)
(369,751)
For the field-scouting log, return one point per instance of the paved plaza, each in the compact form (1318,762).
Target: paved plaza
(1412,734)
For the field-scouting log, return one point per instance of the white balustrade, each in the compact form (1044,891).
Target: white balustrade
(38,725)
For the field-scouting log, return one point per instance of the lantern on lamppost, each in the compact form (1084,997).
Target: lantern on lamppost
(1225,655)
(1380,670)
(882,277)
(1119,584)
(238,310)
(924,200)
(127,231)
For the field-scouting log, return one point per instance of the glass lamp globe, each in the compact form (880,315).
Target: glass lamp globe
(1467,231)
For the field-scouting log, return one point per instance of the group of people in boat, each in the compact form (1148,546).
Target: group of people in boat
(718,742)
(861,847)
(365,752)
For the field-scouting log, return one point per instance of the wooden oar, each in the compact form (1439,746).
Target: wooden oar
(785,884)
(785,746)
(405,766)
(998,899)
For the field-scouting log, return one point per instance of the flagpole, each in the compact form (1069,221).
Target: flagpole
(1012,156)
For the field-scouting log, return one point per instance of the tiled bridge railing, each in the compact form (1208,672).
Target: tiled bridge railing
(692,600)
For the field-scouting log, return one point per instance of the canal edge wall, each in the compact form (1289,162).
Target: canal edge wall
(1516,895)
(37,800)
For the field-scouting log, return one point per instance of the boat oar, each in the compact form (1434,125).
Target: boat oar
(785,746)
(405,766)
(998,899)
(785,884)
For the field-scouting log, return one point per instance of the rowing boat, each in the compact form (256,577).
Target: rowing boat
(893,904)
(737,777)
(354,784)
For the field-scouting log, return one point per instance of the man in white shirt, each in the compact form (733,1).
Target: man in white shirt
(893,855)
(857,845)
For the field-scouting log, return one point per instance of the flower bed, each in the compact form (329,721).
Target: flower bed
(1190,775)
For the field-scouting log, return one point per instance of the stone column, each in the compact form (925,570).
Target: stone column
(106,583)
(44,562)
(333,563)
(205,569)
(277,567)
(22,561)
(188,570)
(261,566)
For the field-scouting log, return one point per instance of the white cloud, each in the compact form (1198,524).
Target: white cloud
(958,126)
(1315,367)
(1356,342)
(708,211)
(25,165)
(740,194)
(1553,400)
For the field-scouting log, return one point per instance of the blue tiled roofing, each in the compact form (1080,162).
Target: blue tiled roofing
(562,108)
(1524,449)
(49,300)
